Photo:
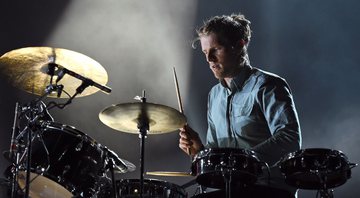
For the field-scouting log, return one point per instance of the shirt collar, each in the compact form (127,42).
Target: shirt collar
(238,81)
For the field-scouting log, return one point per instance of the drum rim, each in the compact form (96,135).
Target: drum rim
(168,185)
(70,130)
(147,180)
(302,152)
(227,151)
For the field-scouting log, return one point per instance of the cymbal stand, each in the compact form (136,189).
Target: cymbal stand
(227,173)
(143,126)
(33,112)
(111,166)
(14,153)
(324,192)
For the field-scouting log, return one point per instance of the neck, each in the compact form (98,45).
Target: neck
(227,81)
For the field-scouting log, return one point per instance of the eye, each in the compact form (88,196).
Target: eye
(216,50)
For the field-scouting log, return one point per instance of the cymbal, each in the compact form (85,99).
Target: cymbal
(125,117)
(26,69)
(169,173)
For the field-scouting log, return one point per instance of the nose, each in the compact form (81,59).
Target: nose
(210,57)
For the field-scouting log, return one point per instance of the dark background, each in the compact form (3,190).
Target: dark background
(313,44)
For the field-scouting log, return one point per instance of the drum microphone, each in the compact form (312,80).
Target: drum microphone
(85,80)
(59,90)
(60,75)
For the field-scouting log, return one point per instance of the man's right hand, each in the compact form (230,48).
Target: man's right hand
(190,141)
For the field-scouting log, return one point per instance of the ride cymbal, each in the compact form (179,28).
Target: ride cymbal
(27,69)
(126,117)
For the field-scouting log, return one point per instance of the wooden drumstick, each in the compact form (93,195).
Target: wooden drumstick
(178,93)
(179,99)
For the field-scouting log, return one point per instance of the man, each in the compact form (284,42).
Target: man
(248,108)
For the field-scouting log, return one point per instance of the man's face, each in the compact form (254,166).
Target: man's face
(222,60)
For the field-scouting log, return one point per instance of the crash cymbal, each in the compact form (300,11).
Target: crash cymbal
(125,117)
(26,69)
(169,173)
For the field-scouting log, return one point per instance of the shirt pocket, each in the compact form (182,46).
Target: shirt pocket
(242,105)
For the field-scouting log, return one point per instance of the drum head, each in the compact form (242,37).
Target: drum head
(313,168)
(42,187)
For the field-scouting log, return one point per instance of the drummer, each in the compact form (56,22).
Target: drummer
(249,108)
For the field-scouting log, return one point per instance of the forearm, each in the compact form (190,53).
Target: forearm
(280,143)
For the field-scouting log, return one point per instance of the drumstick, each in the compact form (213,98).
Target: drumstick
(178,92)
(179,99)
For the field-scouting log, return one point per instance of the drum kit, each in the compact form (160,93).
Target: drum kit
(50,159)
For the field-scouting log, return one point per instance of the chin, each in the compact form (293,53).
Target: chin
(218,75)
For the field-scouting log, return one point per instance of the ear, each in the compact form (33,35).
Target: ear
(238,47)
(241,43)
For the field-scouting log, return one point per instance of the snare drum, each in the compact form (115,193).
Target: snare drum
(211,164)
(315,167)
(64,163)
(153,188)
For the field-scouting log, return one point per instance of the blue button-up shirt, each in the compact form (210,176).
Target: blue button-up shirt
(257,112)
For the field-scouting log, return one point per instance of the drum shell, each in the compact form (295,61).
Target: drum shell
(312,168)
(210,164)
(75,161)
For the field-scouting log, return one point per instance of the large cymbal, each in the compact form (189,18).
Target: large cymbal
(26,69)
(125,117)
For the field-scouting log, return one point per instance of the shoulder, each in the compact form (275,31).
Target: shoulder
(265,78)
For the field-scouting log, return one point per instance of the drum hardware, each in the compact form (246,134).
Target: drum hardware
(33,113)
(115,164)
(318,169)
(111,165)
(142,118)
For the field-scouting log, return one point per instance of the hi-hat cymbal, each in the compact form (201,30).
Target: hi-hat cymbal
(169,173)
(125,117)
(26,69)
